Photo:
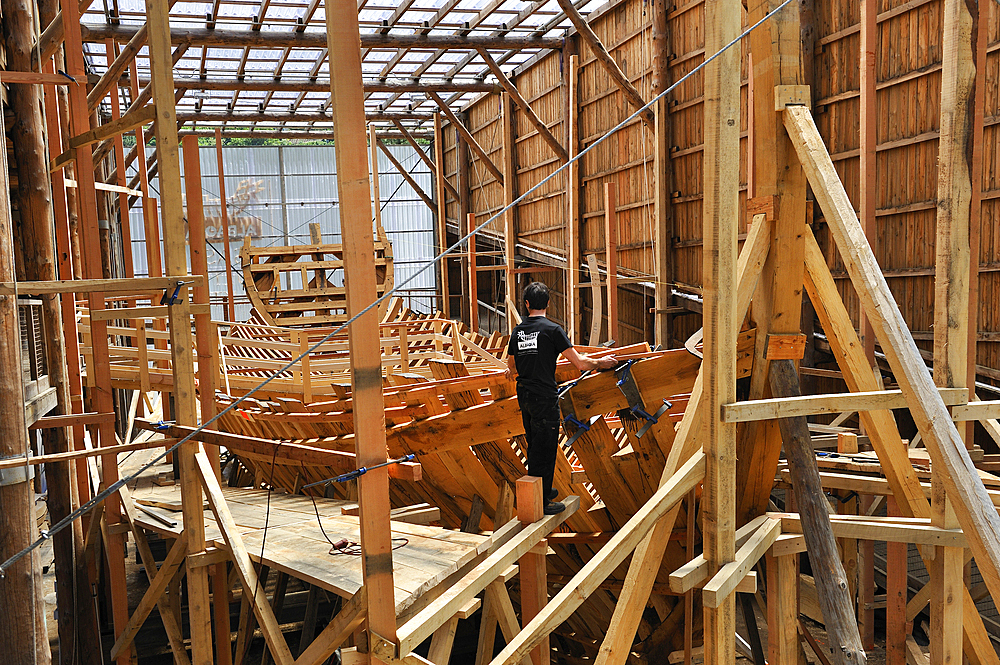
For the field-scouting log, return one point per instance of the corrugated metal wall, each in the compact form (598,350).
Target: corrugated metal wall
(297,186)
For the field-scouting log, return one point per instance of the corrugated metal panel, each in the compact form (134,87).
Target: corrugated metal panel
(310,196)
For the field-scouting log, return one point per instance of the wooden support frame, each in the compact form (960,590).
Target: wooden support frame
(473,280)
(137,118)
(467,136)
(509,135)
(929,411)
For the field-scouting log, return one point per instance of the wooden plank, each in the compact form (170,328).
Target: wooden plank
(729,576)
(769,409)
(785,347)
(473,282)
(234,541)
(33,78)
(509,138)
(440,219)
(782,610)
(347,98)
(574,309)
(949,456)
(694,573)
(611,255)
(129,121)
(224,212)
(607,559)
(423,624)
(137,285)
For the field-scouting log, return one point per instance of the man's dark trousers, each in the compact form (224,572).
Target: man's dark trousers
(540,416)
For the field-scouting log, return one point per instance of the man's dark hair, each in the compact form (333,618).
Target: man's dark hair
(537,295)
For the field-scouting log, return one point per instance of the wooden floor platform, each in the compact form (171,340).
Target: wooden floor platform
(425,556)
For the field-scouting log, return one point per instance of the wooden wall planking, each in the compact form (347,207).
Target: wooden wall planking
(908,95)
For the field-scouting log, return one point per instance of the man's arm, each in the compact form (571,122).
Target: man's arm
(586,363)
(511,372)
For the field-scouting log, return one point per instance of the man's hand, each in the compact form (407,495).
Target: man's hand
(509,375)
(606,362)
(511,372)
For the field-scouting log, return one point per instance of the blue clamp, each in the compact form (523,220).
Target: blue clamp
(163,425)
(172,299)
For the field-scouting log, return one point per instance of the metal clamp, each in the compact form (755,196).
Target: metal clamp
(636,408)
(579,428)
(172,299)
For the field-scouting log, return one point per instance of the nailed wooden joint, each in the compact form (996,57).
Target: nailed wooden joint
(210,557)
(381,648)
(785,347)
(763,205)
(791,95)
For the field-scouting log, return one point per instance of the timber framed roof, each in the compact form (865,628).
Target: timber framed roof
(262,64)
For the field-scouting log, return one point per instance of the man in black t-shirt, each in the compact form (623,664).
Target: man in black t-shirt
(535,345)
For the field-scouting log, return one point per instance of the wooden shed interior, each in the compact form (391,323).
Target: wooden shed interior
(781,217)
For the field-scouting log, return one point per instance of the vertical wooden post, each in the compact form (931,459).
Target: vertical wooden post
(473,278)
(464,208)
(441,193)
(366,365)
(866,585)
(220,602)
(847,444)
(123,207)
(509,131)
(782,610)
(611,255)
(182,356)
(721,218)
(206,341)
(100,391)
(895,598)
(869,141)
(534,592)
(376,196)
(573,309)
(224,213)
(663,234)
(21,588)
(952,307)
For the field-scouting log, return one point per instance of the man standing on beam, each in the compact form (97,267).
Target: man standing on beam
(535,345)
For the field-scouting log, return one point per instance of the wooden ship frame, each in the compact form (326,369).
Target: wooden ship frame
(669,519)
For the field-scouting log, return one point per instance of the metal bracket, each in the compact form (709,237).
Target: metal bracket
(17,474)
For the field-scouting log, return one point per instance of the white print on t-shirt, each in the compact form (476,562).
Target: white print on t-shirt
(527,341)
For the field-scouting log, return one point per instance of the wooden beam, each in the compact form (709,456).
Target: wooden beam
(136,118)
(729,576)
(720,210)
(473,278)
(33,78)
(320,85)
(608,558)
(138,285)
(831,580)
(948,453)
(423,624)
(265,39)
(467,136)
(423,155)
(406,175)
(663,234)
(611,256)
(531,566)
(157,585)
(117,66)
(234,541)
(694,573)
(440,219)
(509,137)
(574,309)
(523,104)
(607,62)
(811,405)
(366,369)
(783,610)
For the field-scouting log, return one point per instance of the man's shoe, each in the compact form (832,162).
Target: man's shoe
(553,493)
(553,508)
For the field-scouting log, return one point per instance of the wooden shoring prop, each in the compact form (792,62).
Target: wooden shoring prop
(648,556)
(523,104)
(234,541)
(595,571)
(880,425)
(948,454)
(467,136)
(607,62)
(824,556)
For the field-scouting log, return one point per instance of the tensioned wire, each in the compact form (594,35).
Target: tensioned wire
(114,487)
